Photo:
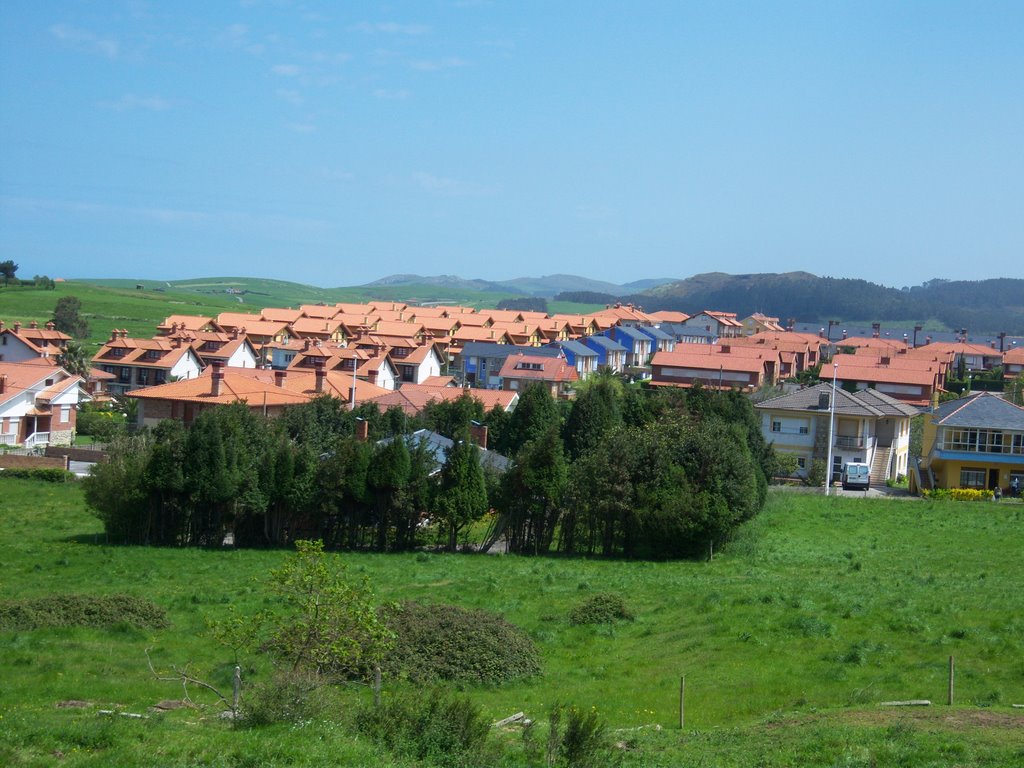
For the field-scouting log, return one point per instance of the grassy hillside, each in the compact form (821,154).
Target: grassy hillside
(788,640)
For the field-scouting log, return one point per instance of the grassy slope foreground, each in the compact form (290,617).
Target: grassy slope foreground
(788,640)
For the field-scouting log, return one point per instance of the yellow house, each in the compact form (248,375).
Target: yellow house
(973,442)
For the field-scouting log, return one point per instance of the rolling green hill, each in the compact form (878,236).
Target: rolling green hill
(789,639)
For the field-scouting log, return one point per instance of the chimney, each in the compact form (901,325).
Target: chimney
(3,382)
(876,329)
(823,401)
(216,378)
(51,326)
(844,335)
(33,325)
(885,361)
(362,430)
(305,345)
(113,334)
(726,349)
(176,342)
(993,344)
(318,370)
(279,378)
(478,434)
(1002,338)
(1,325)
(234,334)
(17,326)
(927,340)
(791,324)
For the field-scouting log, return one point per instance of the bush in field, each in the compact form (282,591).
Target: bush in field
(49,475)
(445,642)
(603,608)
(959,494)
(441,730)
(288,697)
(578,738)
(98,611)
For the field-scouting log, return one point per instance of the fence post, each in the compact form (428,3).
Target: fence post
(951,670)
(236,686)
(376,686)
(682,702)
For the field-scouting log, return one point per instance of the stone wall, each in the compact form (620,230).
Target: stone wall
(16,461)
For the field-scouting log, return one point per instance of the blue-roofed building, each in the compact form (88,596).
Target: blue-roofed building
(638,345)
(610,354)
(684,334)
(663,342)
(974,442)
(479,363)
(579,355)
(438,447)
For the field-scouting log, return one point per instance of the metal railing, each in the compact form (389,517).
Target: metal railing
(37,438)
(850,443)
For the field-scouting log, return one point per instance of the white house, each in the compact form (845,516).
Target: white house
(38,402)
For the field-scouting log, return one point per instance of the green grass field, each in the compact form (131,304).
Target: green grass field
(789,639)
(108,304)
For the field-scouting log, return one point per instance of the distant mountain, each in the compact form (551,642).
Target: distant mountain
(546,286)
(985,305)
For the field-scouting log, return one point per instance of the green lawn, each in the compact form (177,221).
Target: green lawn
(788,639)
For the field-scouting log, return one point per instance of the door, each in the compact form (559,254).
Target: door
(993,479)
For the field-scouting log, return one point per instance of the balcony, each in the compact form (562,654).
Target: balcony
(850,443)
(995,449)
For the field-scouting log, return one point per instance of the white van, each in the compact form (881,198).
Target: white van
(856,476)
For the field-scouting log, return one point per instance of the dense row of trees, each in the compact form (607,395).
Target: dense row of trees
(981,305)
(617,472)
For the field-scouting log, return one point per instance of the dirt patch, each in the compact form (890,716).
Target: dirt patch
(941,717)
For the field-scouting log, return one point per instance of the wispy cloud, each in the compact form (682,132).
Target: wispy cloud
(295,98)
(387,95)
(436,65)
(130,102)
(85,41)
(392,28)
(169,216)
(449,187)
(286,70)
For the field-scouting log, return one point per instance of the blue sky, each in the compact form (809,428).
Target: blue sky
(336,143)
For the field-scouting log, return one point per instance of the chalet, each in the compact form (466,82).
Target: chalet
(47,339)
(323,329)
(144,362)
(663,342)
(479,363)
(610,354)
(1013,363)
(413,398)
(915,387)
(687,334)
(759,323)
(722,324)
(522,370)
(869,427)
(638,345)
(580,356)
(685,368)
(974,442)
(38,402)
(15,348)
(264,391)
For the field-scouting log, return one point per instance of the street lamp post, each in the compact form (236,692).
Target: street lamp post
(831,423)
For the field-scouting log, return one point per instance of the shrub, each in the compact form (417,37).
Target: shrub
(602,608)
(288,697)
(959,494)
(443,730)
(581,740)
(48,475)
(444,642)
(98,611)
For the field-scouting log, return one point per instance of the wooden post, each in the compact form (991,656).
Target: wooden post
(236,686)
(682,702)
(951,670)
(711,550)
(376,686)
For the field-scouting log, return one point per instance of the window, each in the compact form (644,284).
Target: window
(159,377)
(65,413)
(803,430)
(142,376)
(972,478)
(776,426)
(801,462)
(125,375)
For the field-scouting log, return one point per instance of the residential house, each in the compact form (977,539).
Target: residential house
(697,364)
(320,328)
(687,334)
(623,315)
(413,398)
(438,446)
(522,370)
(174,323)
(47,339)
(479,364)
(145,362)
(663,341)
(15,348)
(1013,363)
(668,316)
(610,353)
(974,442)
(869,426)
(912,386)
(264,391)
(722,324)
(760,323)
(580,356)
(38,402)
(638,344)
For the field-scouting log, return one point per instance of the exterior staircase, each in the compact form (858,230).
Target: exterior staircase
(880,465)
